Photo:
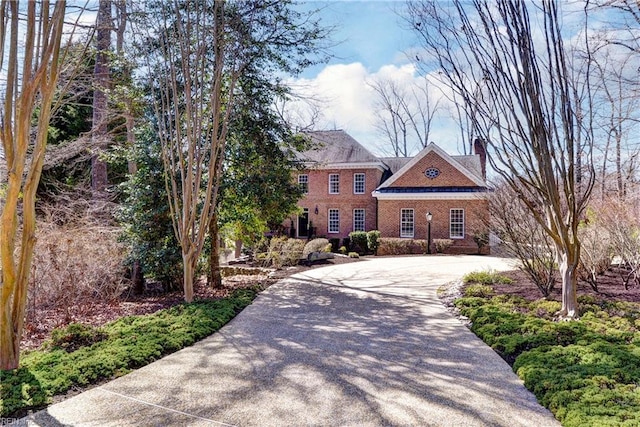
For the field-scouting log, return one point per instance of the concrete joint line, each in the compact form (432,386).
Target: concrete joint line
(165,408)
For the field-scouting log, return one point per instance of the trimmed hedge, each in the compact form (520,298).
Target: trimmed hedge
(400,246)
(126,344)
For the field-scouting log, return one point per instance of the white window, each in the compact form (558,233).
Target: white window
(456,224)
(334,183)
(406,223)
(358,220)
(303,182)
(334,221)
(358,183)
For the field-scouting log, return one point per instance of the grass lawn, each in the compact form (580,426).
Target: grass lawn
(587,372)
(80,355)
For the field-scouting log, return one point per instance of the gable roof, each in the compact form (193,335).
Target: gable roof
(469,166)
(336,146)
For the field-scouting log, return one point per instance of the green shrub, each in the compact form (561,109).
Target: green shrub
(487,277)
(442,245)
(482,291)
(131,342)
(354,255)
(343,250)
(587,372)
(358,241)
(74,336)
(373,241)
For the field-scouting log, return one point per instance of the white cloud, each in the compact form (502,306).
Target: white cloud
(347,102)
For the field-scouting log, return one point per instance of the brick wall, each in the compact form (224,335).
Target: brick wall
(345,201)
(389,219)
(449,175)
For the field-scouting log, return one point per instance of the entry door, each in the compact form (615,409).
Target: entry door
(303,223)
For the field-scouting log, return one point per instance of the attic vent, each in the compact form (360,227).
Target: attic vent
(432,173)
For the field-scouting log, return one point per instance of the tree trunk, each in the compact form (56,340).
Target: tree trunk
(188,270)
(238,251)
(215,276)
(99,177)
(567,264)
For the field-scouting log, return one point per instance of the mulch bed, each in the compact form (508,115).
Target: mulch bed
(41,321)
(610,287)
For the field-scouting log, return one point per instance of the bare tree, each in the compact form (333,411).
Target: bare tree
(404,114)
(32,69)
(508,61)
(102,80)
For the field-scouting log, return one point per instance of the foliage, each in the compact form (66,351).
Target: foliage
(373,241)
(316,245)
(145,216)
(74,336)
(335,244)
(130,343)
(358,241)
(354,255)
(400,246)
(487,277)
(585,371)
(442,245)
(282,252)
(343,250)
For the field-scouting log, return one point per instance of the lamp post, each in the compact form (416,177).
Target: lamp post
(429,218)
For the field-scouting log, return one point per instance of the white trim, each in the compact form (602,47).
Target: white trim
(315,166)
(439,151)
(364,218)
(329,221)
(364,182)
(337,182)
(463,223)
(431,196)
(413,223)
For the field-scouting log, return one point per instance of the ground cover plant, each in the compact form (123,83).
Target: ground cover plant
(80,355)
(587,371)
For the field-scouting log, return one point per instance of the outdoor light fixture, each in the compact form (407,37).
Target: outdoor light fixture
(429,218)
(316,210)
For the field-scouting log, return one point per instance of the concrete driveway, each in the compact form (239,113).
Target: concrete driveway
(358,344)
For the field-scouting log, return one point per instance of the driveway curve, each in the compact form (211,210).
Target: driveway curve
(358,344)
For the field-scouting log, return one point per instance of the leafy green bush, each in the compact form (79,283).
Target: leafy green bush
(74,336)
(373,241)
(358,241)
(354,255)
(482,291)
(487,277)
(130,343)
(586,372)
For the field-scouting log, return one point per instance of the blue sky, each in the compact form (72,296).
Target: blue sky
(371,43)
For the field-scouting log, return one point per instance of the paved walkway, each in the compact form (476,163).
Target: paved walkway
(358,344)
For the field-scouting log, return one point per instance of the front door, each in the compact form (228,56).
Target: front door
(303,223)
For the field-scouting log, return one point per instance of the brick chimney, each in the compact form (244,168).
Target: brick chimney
(480,150)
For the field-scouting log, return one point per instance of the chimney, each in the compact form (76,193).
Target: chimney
(480,150)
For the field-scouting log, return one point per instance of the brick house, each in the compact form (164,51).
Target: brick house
(347,189)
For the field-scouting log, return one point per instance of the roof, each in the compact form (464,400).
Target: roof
(462,163)
(336,146)
(395,163)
